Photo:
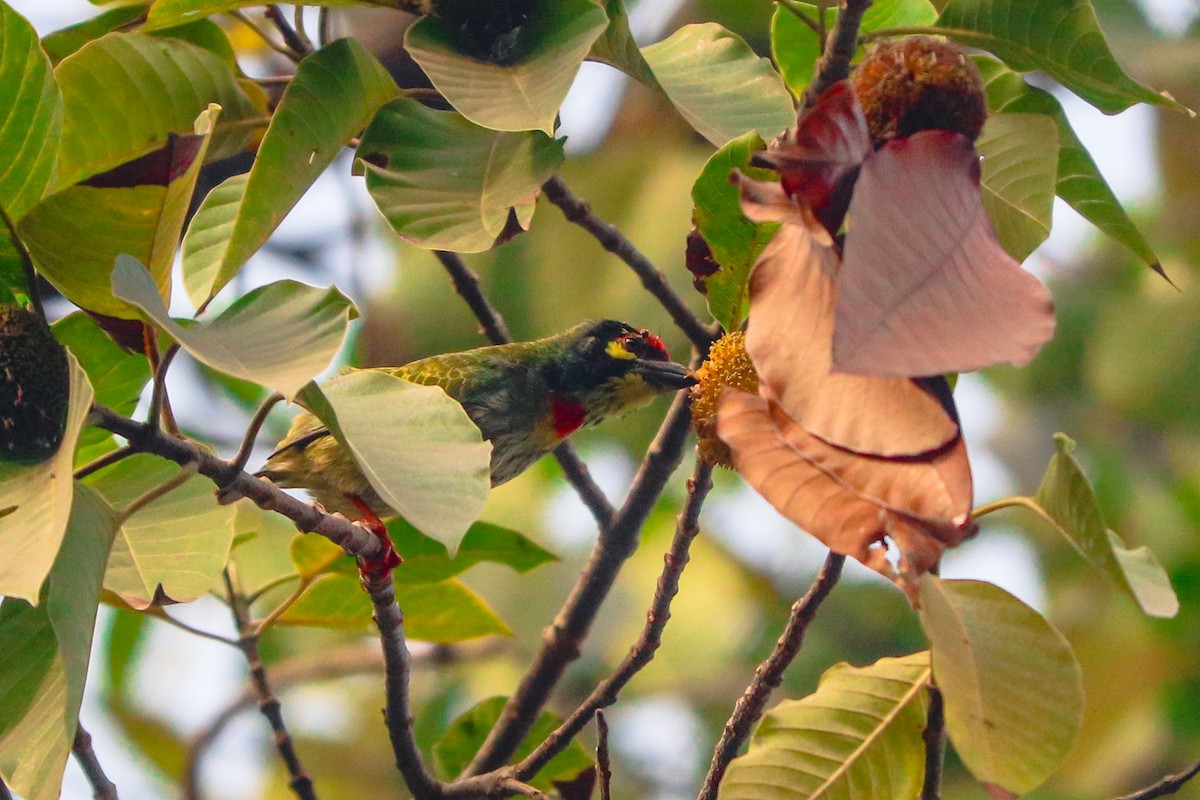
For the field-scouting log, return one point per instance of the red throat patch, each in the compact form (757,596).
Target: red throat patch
(568,415)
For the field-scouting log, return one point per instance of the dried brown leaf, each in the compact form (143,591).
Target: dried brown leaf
(849,501)
(925,287)
(792,295)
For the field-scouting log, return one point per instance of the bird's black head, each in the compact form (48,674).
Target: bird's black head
(600,352)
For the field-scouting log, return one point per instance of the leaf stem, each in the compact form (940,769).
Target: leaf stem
(26,263)
(106,460)
(324,30)
(792,7)
(769,675)
(102,787)
(256,423)
(1016,501)
(283,606)
(290,54)
(935,745)
(922,30)
(185,474)
(183,626)
(254,596)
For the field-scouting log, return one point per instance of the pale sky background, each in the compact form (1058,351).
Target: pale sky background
(658,736)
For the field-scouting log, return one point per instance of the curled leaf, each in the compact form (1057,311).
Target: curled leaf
(793,292)
(925,287)
(850,501)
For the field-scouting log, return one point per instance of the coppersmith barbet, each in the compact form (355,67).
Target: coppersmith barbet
(525,397)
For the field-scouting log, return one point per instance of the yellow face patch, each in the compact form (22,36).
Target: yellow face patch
(617,350)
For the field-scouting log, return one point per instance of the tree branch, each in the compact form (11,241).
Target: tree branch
(603,767)
(834,63)
(612,240)
(562,640)
(935,745)
(268,703)
(642,652)
(234,483)
(1168,785)
(769,675)
(102,787)
(397,663)
(466,283)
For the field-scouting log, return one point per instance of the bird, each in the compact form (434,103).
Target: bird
(525,398)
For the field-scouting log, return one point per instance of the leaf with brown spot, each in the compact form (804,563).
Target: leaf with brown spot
(849,501)
(793,292)
(925,287)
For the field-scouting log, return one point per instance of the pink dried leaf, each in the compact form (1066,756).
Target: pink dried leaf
(925,287)
(792,294)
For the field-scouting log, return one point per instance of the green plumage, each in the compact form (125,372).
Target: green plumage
(526,397)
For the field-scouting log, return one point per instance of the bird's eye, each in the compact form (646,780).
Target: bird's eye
(639,344)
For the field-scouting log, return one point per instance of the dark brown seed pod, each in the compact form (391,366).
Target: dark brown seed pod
(920,83)
(34,387)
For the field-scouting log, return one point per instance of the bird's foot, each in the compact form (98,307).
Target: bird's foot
(381,566)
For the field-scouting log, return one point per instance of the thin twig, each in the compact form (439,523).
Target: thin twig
(603,765)
(298,24)
(562,640)
(159,402)
(516,787)
(642,652)
(611,239)
(324,31)
(299,781)
(234,484)
(283,606)
(266,37)
(290,37)
(256,423)
(183,626)
(274,80)
(397,668)
(935,745)
(1168,785)
(26,263)
(769,675)
(839,49)
(102,787)
(466,283)
(106,460)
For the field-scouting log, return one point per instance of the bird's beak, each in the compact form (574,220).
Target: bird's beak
(666,375)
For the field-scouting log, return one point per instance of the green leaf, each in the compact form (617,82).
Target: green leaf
(31,116)
(719,85)
(617,48)
(857,737)
(426,560)
(443,182)
(456,749)
(1060,37)
(77,233)
(333,95)
(173,549)
(1079,180)
(166,13)
(433,612)
(1012,687)
(1069,502)
(795,47)
(207,239)
(65,41)
(1020,162)
(117,377)
(35,502)
(735,241)
(44,654)
(518,96)
(151,87)
(382,421)
(280,335)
